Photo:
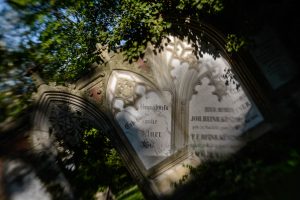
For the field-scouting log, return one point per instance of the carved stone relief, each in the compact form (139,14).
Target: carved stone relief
(94,91)
(204,107)
(171,108)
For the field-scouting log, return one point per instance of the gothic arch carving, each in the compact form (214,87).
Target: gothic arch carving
(122,100)
(61,112)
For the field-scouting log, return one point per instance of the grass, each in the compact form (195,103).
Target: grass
(132,193)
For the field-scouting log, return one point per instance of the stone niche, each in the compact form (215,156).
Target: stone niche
(182,109)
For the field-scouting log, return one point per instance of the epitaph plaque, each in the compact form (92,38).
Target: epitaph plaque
(220,112)
(144,115)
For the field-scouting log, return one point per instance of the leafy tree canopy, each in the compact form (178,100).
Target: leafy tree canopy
(64,33)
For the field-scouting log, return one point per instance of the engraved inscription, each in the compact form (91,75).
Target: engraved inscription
(143,115)
(216,125)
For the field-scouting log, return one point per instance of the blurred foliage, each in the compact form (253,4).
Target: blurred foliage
(94,165)
(268,168)
(64,34)
(235,43)
(15,86)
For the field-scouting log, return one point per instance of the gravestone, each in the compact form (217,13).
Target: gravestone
(186,104)
(271,55)
(183,110)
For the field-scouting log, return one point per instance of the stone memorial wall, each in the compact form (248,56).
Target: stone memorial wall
(183,109)
(176,107)
(193,103)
